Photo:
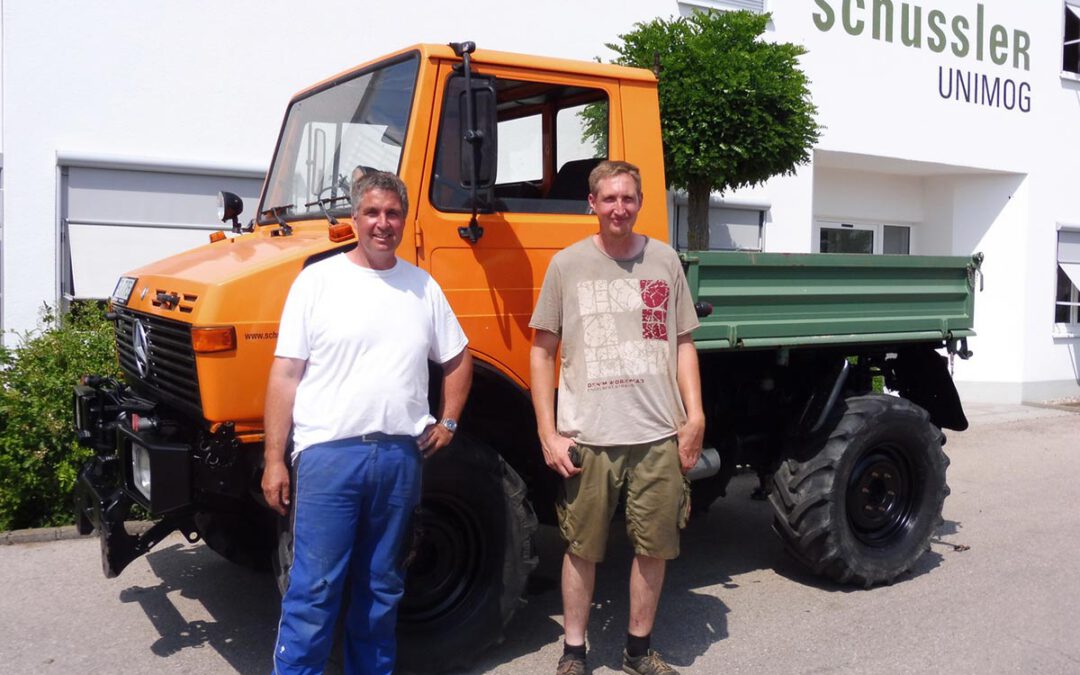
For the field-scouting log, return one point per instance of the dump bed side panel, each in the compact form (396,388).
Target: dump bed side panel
(799,299)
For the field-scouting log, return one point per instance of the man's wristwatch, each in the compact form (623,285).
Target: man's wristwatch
(449,423)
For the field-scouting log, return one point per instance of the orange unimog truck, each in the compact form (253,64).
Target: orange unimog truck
(495,149)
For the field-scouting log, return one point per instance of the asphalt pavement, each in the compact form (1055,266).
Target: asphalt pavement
(997,593)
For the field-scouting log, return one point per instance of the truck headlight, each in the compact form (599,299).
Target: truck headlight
(140,469)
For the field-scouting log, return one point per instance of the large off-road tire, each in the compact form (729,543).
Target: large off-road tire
(862,509)
(471,557)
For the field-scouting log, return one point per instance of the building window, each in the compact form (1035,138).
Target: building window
(1067,304)
(1070,62)
(730,228)
(688,6)
(877,239)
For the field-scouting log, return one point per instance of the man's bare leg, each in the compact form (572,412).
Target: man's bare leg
(646,581)
(578,579)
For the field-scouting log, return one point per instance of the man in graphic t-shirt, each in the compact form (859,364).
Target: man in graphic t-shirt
(350,376)
(629,406)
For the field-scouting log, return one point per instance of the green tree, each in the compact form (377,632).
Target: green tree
(39,456)
(735,110)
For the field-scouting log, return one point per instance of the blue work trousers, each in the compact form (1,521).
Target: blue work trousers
(352,507)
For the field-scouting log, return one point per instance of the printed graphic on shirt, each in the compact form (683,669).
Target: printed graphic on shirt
(654,318)
(612,360)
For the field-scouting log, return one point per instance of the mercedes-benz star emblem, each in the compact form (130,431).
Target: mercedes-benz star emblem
(142,348)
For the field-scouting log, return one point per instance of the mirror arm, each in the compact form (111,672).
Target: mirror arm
(474,137)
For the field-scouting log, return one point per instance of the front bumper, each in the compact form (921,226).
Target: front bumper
(108,485)
(102,507)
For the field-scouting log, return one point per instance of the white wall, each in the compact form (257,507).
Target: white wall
(207,82)
(787,225)
(881,99)
(990,215)
(936,233)
(867,196)
(1051,365)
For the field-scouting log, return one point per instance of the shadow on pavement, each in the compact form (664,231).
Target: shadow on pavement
(232,610)
(732,538)
(238,609)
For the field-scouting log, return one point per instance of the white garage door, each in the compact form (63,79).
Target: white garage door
(117,216)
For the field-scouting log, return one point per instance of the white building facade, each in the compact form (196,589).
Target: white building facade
(950,127)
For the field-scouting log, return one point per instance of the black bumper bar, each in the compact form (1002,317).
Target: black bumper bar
(106,491)
(101,506)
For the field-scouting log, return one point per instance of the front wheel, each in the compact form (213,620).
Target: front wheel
(243,539)
(471,557)
(862,510)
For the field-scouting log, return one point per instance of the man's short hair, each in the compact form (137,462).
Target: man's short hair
(379,180)
(610,169)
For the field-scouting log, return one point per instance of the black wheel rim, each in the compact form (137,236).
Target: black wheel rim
(447,562)
(882,496)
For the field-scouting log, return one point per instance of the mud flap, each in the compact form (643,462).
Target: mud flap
(922,376)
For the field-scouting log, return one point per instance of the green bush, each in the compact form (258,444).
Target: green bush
(39,457)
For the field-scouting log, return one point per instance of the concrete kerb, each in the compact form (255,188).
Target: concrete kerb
(47,534)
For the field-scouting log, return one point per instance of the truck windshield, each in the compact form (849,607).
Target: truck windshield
(354,124)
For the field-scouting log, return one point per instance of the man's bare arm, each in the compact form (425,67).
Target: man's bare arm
(542,376)
(691,434)
(285,374)
(457,380)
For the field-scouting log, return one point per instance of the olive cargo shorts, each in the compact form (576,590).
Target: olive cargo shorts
(657,499)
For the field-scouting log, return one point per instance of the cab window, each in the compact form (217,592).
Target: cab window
(550,136)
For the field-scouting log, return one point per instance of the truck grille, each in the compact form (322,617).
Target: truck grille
(168,367)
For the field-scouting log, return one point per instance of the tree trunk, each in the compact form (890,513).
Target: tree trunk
(697,217)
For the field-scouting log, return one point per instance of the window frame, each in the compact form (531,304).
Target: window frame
(1074,7)
(1070,329)
(682,208)
(548,113)
(289,143)
(723,5)
(877,227)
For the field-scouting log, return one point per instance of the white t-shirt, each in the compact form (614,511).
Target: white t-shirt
(367,336)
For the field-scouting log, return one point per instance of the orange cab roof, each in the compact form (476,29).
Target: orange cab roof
(483,57)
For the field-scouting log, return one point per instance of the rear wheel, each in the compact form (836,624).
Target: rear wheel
(863,509)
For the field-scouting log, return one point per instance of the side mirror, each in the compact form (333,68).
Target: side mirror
(229,207)
(479,144)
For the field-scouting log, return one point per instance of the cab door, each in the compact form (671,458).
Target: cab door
(552,129)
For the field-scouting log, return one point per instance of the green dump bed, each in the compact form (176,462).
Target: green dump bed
(807,299)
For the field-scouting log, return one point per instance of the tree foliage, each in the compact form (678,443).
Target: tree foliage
(39,456)
(735,110)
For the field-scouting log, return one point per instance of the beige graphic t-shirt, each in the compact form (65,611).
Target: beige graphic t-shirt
(618,321)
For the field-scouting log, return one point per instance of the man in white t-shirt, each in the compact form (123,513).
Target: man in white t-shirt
(350,378)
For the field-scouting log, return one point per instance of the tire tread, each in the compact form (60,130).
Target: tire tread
(804,493)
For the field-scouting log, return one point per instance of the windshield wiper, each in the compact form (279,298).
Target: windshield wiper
(322,206)
(284,228)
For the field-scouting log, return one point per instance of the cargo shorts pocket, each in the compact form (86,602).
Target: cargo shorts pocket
(684,504)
